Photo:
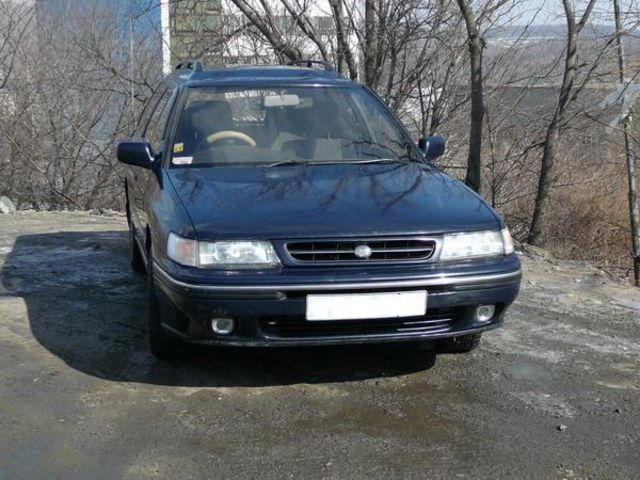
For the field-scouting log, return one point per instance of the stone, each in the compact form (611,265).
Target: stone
(6,205)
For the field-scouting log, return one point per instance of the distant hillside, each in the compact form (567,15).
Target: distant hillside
(538,32)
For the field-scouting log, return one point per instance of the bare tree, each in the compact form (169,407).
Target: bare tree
(344,55)
(72,97)
(565,97)
(14,22)
(370,42)
(262,18)
(476,45)
(634,212)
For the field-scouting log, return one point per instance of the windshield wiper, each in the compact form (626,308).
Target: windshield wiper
(411,158)
(401,159)
(285,163)
(372,160)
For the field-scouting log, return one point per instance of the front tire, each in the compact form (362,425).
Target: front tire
(461,344)
(161,344)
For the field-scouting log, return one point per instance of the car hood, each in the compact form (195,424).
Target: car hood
(327,201)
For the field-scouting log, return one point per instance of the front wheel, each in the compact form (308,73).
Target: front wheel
(461,344)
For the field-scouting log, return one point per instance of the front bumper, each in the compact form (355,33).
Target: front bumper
(271,311)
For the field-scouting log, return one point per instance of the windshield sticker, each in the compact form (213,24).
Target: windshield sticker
(178,148)
(182,160)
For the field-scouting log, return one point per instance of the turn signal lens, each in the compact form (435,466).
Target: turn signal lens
(182,250)
(508,241)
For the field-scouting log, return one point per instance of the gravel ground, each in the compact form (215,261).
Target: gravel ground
(553,394)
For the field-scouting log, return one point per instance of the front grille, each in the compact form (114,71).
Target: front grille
(435,321)
(379,250)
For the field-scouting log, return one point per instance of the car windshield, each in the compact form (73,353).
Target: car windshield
(275,126)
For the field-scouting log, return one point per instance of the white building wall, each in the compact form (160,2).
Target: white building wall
(166,36)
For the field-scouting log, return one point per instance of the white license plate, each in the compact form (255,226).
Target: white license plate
(361,306)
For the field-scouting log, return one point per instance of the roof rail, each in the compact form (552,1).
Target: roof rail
(195,65)
(310,63)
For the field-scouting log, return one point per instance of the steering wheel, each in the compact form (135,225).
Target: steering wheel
(231,135)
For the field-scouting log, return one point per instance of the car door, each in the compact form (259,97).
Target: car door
(153,131)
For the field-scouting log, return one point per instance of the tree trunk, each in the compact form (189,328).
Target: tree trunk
(634,213)
(370,43)
(545,179)
(540,217)
(476,45)
(344,54)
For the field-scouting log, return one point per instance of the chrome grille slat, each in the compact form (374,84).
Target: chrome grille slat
(400,250)
(443,328)
(436,321)
(342,251)
(313,252)
(373,250)
(429,322)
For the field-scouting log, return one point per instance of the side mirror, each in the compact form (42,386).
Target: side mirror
(433,147)
(136,153)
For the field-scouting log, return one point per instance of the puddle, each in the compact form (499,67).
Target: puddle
(529,371)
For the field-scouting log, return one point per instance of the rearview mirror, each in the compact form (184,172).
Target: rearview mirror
(271,101)
(433,147)
(136,153)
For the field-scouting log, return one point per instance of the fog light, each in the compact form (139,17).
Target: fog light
(484,313)
(222,326)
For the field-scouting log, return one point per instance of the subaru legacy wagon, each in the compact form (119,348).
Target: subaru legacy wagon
(289,206)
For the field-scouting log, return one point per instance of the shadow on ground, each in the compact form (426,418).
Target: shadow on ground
(86,307)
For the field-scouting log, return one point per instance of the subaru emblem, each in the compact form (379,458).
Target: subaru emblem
(363,251)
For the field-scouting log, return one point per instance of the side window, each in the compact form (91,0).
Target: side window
(154,132)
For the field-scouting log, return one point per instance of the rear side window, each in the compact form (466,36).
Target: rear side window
(155,129)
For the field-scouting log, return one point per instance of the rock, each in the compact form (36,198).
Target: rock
(561,428)
(6,205)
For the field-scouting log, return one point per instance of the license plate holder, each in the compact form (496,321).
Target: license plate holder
(366,306)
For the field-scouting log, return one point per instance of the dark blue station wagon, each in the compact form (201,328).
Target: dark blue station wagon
(288,206)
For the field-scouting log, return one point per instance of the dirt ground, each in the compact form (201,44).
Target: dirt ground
(553,394)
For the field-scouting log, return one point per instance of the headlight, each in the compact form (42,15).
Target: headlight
(224,254)
(238,254)
(476,244)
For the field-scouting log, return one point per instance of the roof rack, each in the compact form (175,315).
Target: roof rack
(195,65)
(310,63)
